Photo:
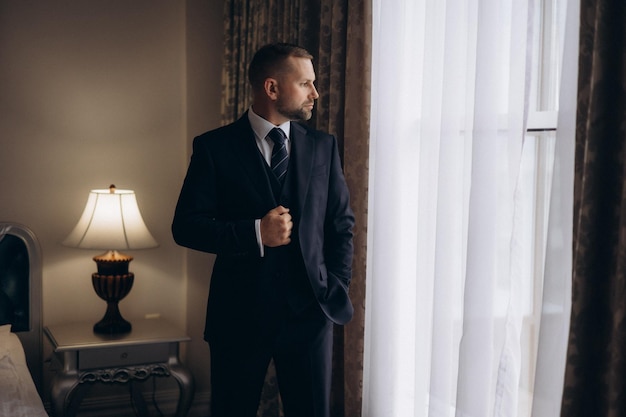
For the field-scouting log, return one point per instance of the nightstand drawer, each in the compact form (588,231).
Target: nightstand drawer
(123,356)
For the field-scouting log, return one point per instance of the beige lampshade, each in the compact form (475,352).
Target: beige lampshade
(111,220)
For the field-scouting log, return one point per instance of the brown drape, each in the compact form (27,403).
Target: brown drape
(338,34)
(595,376)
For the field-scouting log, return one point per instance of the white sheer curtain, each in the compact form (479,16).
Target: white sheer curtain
(447,296)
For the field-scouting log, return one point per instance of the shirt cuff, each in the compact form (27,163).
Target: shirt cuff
(257,229)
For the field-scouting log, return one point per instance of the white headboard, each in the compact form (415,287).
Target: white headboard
(18,245)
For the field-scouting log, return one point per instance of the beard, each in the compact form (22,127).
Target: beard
(294,113)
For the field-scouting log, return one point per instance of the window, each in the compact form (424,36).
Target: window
(536,178)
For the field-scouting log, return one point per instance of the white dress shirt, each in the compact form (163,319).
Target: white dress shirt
(261,128)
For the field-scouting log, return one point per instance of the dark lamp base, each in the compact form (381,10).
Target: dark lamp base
(112,325)
(112,288)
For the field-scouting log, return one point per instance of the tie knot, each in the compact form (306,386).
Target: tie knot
(277,135)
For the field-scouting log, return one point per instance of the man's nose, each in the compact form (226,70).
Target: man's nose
(315,94)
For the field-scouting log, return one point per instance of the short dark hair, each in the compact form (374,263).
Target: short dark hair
(268,60)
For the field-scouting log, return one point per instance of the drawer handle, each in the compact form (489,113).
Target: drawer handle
(124,355)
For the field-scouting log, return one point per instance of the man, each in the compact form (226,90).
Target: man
(283,241)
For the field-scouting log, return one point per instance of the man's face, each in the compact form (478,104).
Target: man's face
(296,91)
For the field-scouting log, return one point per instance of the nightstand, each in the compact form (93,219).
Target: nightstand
(85,358)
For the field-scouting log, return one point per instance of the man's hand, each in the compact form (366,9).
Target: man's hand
(276,227)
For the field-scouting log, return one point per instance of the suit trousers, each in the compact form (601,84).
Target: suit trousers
(301,346)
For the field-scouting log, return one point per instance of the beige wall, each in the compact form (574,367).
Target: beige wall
(99,92)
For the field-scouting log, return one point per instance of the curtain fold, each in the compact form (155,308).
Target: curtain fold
(338,34)
(595,379)
(356,133)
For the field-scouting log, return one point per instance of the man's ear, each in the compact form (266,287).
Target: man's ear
(271,88)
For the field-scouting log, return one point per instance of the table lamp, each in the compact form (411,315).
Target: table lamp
(111,221)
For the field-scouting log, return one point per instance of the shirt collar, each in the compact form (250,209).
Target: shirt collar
(262,127)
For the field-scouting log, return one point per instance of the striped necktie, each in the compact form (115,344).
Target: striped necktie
(280,158)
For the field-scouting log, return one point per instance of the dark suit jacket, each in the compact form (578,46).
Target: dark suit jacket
(227,187)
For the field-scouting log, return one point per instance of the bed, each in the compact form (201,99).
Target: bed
(20,323)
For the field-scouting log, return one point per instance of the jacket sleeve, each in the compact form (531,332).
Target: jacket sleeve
(339,222)
(200,220)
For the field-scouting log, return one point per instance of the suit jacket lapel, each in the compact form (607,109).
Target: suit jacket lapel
(253,165)
(301,161)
